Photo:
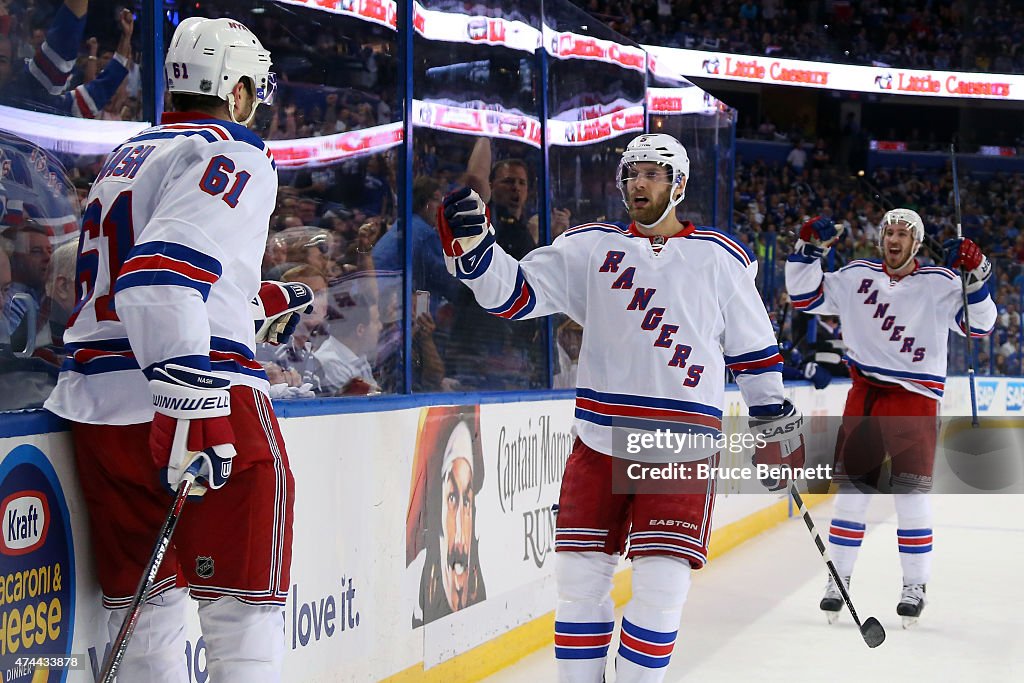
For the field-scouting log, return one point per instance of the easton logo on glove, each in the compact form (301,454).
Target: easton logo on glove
(772,433)
(779,429)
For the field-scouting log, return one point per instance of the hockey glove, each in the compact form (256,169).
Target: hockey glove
(817,235)
(276,309)
(196,401)
(817,375)
(780,429)
(464,225)
(963,253)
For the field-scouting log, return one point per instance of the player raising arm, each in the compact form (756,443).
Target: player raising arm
(895,315)
(665,307)
(162,340)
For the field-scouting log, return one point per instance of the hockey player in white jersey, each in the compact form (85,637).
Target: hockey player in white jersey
(896,315)
(162,340)
(665,307)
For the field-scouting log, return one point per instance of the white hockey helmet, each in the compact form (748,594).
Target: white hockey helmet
(661,149)
(908,217)
(208,56)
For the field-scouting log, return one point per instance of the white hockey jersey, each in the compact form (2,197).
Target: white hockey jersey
(895,329)
(659,328)
(169,258)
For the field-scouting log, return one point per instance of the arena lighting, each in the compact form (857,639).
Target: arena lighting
(877,80)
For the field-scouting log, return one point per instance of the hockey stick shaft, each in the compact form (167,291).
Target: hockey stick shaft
(120,644)
(809,521)
(963,291)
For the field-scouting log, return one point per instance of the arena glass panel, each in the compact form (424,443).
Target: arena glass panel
(77,58)
(596,89)
(71,88)
(335,129)
(476,122)
(39,224)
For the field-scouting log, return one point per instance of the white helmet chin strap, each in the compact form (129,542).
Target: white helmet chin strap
(671,207)
(231,110)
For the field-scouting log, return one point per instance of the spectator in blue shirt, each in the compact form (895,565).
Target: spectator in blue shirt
(428,270)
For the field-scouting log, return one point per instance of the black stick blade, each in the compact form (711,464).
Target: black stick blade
(874,634)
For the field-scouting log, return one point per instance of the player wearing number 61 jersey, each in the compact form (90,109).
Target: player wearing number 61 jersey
(162,340)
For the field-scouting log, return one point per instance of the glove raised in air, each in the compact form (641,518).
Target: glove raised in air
(964,253)
(817,235)
(464,225)
(197,401)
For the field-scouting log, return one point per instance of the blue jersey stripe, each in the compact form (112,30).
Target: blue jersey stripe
(231,346)
(760,354)
(178,252)
(150,278)
(714,240)
(98,366)
(596,228)
(167,135)
(898,373)
(759,371)
(649,402)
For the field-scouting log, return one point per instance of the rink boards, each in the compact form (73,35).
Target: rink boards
(368,528)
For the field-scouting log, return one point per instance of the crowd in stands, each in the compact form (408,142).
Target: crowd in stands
(347,245)
(49,64)
(338,227)
(956,35)
(771,202)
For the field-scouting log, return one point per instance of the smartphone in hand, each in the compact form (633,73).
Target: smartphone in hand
(420,303)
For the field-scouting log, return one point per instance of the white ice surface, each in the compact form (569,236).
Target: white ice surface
(752,615)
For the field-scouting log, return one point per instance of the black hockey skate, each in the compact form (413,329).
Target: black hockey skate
(911,604)
(832,603)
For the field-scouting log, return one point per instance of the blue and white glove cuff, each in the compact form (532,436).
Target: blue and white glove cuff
(474,262)
(188,393)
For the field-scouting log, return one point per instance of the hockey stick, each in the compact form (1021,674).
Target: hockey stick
(963,290)
(120,643)
(871,630)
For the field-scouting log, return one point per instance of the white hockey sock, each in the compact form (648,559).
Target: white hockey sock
(846,533)
(244,643)
(584,615)
(914,536)
(156,651)
(650,621)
